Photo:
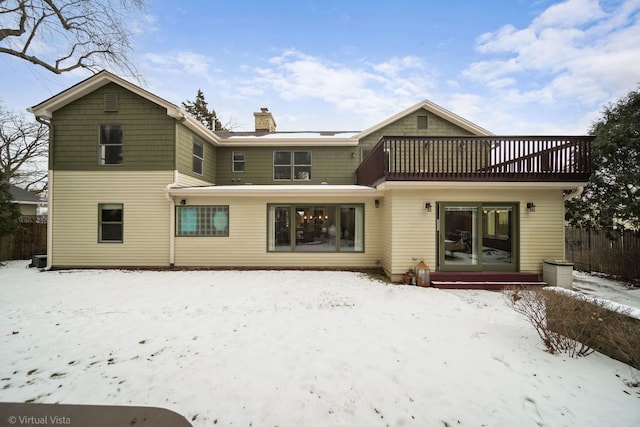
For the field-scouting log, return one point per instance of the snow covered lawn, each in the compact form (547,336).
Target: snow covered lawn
(293,348)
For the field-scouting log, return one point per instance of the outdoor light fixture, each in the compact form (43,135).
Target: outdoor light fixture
(531,207)
(376,203)
(183,202)
(427,206)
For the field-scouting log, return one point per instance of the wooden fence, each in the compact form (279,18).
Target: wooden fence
(592,250)
(30,239)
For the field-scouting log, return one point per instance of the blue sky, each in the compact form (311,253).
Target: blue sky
(510,66)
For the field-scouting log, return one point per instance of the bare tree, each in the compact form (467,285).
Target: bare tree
(23,151)
(63,35)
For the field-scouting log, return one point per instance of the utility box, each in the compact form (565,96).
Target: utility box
(38,261)
(558,272)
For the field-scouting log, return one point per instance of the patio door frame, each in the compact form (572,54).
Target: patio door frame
(514,236)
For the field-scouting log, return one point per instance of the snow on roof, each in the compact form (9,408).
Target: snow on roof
(293,135)
(250,190)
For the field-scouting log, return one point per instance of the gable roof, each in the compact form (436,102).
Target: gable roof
(434,109)
(46,108)
(23,196)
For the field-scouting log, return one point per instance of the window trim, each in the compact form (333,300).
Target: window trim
(101,223)
(293,207)
(101,158)
(234,162)
(195,157)
(199,222)
(292,165)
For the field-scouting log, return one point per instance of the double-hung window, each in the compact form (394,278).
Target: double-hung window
(238,161)
(110,223)
(292,165)
(111,139)
(198,157)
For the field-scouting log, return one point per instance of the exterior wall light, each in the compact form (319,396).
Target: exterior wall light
(531,207)
(376,203)
(428,206)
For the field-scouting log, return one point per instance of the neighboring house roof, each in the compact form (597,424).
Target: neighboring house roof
(46,108)
(24,197)
(434,109)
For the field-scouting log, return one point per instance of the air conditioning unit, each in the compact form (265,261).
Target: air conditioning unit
(38,261)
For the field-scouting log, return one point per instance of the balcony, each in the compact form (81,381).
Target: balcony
(477,158)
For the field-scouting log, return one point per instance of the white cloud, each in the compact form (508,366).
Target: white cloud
(183,62)
(580,52)
(371,90)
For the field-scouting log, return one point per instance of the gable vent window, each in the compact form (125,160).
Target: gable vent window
(110,102)
(423,123)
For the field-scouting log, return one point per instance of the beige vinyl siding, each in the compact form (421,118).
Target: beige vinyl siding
(246,245)
(184,155)
(76,196)
(414,234)
(185,180)
(148,133)
(333,165)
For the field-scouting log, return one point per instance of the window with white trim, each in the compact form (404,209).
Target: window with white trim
(292,165)
(198,157)
(111,139)
(238,161)
(110,223)
(202,221)
(315,228)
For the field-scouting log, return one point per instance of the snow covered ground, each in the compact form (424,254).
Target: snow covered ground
(294,348)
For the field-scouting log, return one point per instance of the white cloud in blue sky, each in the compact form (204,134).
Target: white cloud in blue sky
(518,67)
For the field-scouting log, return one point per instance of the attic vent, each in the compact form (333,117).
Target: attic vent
(110,102)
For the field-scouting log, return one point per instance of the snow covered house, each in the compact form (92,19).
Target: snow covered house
(134,181)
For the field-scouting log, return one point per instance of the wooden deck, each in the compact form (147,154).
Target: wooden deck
(477,158)
(483,280)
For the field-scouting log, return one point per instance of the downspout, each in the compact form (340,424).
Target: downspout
(576,193)
(172,203)
(172,219)
(50,179)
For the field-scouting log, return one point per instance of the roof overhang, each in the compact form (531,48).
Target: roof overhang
(479,185)
(286,142)
(46,108)
(429,106)
(322,190)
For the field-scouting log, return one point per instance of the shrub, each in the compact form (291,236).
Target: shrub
(577,325)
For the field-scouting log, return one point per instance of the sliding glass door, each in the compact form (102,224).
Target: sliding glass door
(477,236)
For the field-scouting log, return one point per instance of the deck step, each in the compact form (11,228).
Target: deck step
(488,285)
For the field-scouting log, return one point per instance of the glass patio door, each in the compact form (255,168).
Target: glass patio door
(458,237)
(477,237)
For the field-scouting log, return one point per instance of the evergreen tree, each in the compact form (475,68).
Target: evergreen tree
(9,212)
(612,197)
(200,110)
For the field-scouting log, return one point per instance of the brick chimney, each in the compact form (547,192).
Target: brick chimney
(264,121)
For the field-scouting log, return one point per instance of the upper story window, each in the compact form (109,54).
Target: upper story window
(288,165)
(423,122)
(111,144)
(238,161)
(198,157)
